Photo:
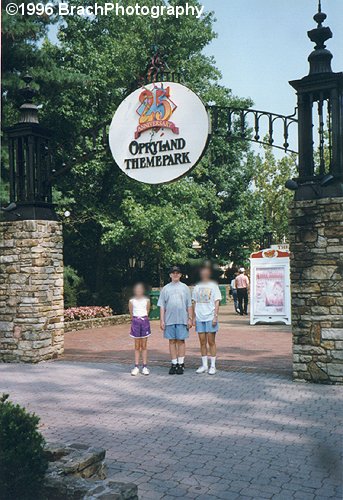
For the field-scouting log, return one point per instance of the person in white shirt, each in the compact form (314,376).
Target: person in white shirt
(139,307)
(206,298)
(233,290)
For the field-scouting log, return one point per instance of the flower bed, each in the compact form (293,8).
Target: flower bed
(88,312)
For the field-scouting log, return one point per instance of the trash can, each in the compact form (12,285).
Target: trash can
(222,289)
(154,310)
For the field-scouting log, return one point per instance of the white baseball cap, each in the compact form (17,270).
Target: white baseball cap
(241,269)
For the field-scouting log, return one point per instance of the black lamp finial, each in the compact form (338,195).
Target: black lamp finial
(320,59)
(28,110)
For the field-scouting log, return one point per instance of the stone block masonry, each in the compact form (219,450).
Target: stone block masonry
(31,291)
(74,326)
(316,236)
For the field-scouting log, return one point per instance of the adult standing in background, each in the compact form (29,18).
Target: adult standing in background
(176,318)
(242,286)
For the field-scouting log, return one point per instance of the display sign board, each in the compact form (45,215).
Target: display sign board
(284,247)
(270,287)
(159,132)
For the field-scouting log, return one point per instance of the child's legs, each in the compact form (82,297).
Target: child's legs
(137,350)
(211,338)
(203,343)
(172,349)
(144,343)
(181,348)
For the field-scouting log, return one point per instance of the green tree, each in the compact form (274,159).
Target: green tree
(21,36)
(270,194)
(96,62)
(112,216)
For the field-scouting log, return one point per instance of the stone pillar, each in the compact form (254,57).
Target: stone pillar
(316,236)
(31,290)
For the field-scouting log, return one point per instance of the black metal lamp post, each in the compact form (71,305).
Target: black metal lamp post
(132,265)
(267,237)
(29,165)
(320,93)
(140,263)
(132,262)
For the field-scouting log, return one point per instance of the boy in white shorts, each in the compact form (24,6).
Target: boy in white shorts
(206,298)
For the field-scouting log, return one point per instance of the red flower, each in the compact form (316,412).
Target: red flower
(87,312)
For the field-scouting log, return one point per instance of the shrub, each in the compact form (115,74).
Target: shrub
(22,460)
(79,313)
(73,285)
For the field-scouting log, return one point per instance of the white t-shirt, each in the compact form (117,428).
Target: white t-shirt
(139,307)
(205,296)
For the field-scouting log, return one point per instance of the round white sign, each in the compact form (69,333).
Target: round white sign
(159,132)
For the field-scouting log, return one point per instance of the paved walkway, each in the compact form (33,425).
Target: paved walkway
(260,348)
(236,435)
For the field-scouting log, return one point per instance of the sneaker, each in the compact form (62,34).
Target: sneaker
(135,371)
(145,370)
(180,369)
(212,370)
(202,369)
(172,370)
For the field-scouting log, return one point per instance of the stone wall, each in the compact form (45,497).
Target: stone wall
(78,471)
(316,236)
(31,290)
(73,326)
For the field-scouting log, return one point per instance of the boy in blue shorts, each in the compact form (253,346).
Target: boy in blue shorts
(175,304)
(206,299)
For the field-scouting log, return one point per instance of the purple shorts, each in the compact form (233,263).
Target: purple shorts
(140,328)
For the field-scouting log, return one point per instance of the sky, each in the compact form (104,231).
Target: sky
(262,44)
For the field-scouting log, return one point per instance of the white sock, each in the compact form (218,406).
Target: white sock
(213,361)
(181,360)
(204,361)
(174,361)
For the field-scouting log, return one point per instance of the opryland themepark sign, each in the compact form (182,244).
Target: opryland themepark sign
(159,133)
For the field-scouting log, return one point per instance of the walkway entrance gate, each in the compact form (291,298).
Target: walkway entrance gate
(31,306)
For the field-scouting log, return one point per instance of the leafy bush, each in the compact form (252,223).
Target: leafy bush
(90,312)
(73,285)
(22,460)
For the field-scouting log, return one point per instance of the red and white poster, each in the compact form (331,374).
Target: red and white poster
(270,291)
(270,287)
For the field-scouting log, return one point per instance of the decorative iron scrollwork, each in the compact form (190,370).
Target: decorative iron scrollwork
(247,124)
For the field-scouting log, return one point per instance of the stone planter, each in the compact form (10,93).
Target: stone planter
(73,326)
(78,471)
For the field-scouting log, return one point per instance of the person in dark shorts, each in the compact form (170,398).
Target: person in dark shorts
(139,307)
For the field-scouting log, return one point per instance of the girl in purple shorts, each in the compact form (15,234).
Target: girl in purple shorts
(139,307)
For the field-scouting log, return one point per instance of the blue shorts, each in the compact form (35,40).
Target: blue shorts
(176,332)
(206,327)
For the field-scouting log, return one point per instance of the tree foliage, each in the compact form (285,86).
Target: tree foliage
(83,78)
(270,194)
